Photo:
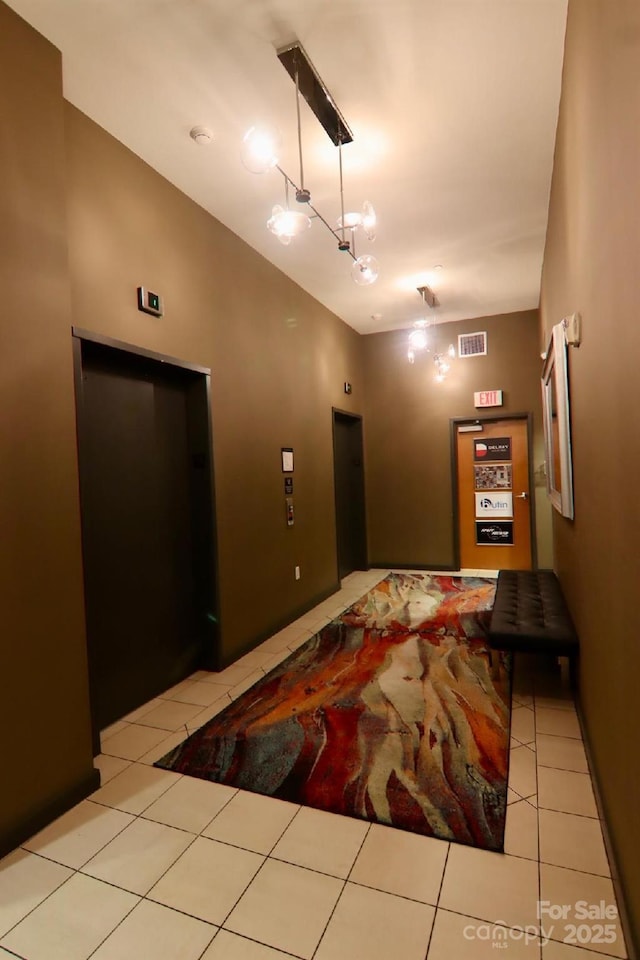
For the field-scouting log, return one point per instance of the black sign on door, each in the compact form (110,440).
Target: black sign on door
(497,448)
(494,532)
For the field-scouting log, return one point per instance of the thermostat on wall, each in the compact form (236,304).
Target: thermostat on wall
(149,302)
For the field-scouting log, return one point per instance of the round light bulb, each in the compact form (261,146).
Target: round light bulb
(260,148)
(365,270)
(369,220)
(287,224)
(418,339)
(351,221)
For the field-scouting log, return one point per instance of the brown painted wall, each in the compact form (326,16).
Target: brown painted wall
(278,362)
(408,457)
(591,266)
(83,223)
(43,678)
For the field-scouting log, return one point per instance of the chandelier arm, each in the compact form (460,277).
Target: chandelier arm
(341,187)
(315,210)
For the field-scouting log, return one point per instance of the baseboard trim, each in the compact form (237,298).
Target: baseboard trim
(633,950)
(65,801)
(411,566)
(226,661)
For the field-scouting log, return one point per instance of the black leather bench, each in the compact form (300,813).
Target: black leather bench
(530,615)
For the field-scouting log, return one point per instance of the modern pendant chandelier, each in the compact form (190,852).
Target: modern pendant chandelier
(260,151)
(420,338)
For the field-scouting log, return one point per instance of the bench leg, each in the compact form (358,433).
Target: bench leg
(495,663)
(565,671)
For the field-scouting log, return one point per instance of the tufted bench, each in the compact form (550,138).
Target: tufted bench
(530,615)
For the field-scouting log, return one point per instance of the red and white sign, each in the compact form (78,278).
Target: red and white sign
(488,398)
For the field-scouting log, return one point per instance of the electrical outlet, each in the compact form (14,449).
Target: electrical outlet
(297,573)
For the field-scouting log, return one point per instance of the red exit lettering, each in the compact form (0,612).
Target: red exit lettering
(488,398)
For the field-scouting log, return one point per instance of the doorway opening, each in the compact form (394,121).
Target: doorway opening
(146,499)
(348,471)
(494,522)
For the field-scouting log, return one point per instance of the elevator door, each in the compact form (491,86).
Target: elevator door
(143,556)
(348,461)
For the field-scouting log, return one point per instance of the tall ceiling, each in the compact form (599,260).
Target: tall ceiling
(452,103)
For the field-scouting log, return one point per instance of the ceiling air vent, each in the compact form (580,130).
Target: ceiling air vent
(472,344)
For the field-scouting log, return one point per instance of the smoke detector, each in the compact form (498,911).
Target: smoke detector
(201,135)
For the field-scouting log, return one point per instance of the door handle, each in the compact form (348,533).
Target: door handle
(522,496)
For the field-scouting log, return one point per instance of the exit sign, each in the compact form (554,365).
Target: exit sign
(488,398)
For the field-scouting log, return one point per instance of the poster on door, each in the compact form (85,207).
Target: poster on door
(494,505)
(492,448)
(494,533)
(492,476)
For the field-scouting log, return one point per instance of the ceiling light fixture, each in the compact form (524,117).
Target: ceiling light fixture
(260,152)
(419,339)
(201,135)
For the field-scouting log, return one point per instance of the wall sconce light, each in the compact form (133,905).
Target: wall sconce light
(260,150)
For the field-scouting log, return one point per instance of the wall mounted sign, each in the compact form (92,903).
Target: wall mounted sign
(288,486)
(487,398)
(494,504)
(149,302)
(495,448)
(287,459)
(492,476)
(494,533)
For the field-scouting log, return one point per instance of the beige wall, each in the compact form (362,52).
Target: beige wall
(407,433)
(591,266)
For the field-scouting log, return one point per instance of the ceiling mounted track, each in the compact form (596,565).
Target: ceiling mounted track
(297,64)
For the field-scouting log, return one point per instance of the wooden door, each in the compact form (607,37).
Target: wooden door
(348,465)
(494,496)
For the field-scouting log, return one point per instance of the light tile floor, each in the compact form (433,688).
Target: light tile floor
(157,866)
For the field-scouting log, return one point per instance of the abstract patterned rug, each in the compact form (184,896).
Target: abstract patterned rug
(388,714)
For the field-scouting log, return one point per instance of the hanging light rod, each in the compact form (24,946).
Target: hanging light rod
(316,212)
(297,64)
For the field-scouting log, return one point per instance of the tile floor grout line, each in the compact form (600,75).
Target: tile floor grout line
(293,819)
(329,919)
(239,898)
(55,890)
(355,859)
(119,924)
(437,903)
(539,871)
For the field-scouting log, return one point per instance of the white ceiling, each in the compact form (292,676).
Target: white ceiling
(453,105)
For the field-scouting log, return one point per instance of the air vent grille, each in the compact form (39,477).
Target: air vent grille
(472,344)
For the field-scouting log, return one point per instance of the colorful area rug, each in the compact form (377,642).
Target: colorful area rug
(388,714)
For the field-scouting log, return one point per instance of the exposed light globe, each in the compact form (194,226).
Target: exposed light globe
(369,220)
(287,224)
(260,149)
(451,350)
(365,270)
(418,339)
(351,221)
